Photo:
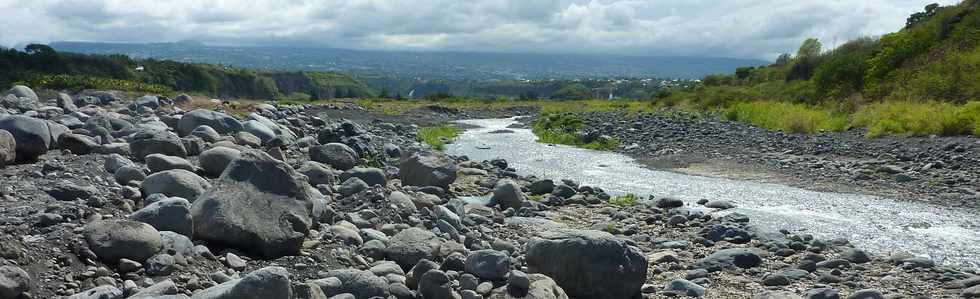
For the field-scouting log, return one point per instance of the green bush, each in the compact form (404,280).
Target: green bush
(563,128)
(436,136)
(629,199)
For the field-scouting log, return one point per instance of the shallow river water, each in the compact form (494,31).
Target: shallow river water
(883,226)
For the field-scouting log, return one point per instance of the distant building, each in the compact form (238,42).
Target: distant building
(140,68)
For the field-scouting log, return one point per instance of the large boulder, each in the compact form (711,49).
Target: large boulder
(148,101)
(215,160)
(33,138)
(265,283)
(360,283)
(507,194)
(337,155)
(161,162)
(156,142)
(227,213)
(428,168)
(171,214)
(112,240)
(371,176)
(14,281)
(488,264)
(411,245)
(729,259)
(318,173)
(260,130)
(220,122)
(77,144)
(588,264)
(22,91)
(100,292)
(175,183)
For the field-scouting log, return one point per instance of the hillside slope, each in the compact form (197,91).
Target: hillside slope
(930,67)
(42,66)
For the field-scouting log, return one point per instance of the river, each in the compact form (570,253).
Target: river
(883,226)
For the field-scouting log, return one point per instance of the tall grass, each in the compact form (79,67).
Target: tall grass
(787,117)
(563,128)
(919,119)
(437,136)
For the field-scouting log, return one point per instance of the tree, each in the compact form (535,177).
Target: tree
(810,48)
(39,49)
(576,91)
(784,59)
(744,72)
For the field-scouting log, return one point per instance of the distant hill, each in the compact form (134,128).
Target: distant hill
(424,65)
(41,66)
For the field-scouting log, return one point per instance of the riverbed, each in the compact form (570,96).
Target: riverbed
(881,225)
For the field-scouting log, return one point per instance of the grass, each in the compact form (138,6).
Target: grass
(535,197)
(563,128)
(626,200)
(436,136)
(919,119)
(788,117)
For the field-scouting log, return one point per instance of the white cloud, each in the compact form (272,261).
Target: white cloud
(733,28)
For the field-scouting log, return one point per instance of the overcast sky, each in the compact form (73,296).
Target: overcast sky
(724,28)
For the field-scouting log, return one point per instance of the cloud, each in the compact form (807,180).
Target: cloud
(729,28)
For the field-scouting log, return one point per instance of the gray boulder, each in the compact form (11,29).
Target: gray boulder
(14,281)
(729,259)
(175,183)
(220,122)
(100,292)
(411,245)
(260,130)
(542,187)
(265,283)
(683,287)
(588,264)
(318,173)
(148,101)
(77,144)
(33,137)
(112,240)
(150,142)
(428,168)
(157,291)
(337,155)
(488,264)
(866,294)
(22,91)
(507,194)
(161,162)
(227,213)
(361,284)
(206,133)
(171,214)
(66,103)
(215,160)
(371,176)
(435,284)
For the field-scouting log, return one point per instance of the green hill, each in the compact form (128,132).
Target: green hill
(884,83)
(41,66)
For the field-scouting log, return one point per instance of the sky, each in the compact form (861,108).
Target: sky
(759,29)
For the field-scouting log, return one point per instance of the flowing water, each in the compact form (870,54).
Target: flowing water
(881,225)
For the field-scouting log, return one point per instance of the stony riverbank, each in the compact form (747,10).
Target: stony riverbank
(112,197)
(940,170)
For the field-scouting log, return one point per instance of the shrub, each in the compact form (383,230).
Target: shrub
(436,136)
(629,199)
(563,128)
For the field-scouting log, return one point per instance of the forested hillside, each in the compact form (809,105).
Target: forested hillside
(930,67)
(42,67)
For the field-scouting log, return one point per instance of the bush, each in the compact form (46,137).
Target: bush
(564,129)
(436,136)
(629,199)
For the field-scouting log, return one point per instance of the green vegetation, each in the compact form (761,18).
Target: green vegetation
(920,119)
(626,200)
(438,135)
(535,197)
(920,80)
(40,66)
(565,129)
(787,117)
